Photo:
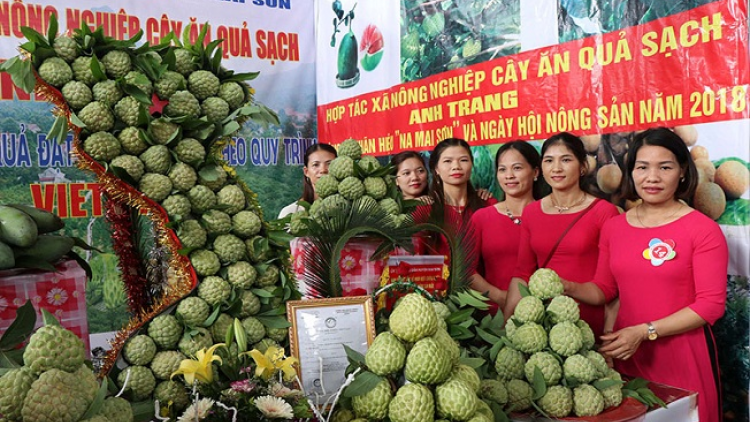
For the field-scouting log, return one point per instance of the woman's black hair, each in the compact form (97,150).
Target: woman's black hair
(531,155)
(665,138)
(308,191)
(474,202)
(402,156)
(575,145)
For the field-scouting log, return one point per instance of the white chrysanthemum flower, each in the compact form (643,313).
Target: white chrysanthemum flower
(274,407)
(196,411)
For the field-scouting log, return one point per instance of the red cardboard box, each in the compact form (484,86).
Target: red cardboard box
(61,293)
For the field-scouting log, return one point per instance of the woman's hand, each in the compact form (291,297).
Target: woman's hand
(622,344)
(484,194)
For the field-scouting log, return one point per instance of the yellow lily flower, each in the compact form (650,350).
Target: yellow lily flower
(272,361)
(199,369)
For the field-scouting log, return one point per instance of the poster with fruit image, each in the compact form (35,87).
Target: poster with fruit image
(275,38)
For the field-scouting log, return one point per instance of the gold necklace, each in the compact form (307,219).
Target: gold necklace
(666,220)
(562,208)
(515,220)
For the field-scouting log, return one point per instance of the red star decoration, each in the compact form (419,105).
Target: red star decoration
(157,105)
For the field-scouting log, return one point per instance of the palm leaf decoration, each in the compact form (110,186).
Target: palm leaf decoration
(329,235)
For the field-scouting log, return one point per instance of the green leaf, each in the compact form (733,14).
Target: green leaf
(474,363)
(489,338)
(495,350)
(143,411)
(49,319)
(230,128)
(96,69)
(273,322)
(603,384)
(52,29)
(468,299)
(459,316)
(34,36)
(262,293)
(21,327)
(11,358)
(362,384)
(96,405)
(212,318)
(238,77)
(137,93)
(354,356)
(56,127)
(524,289)
(34,264)
(539,385)
(76,120)
(209,173)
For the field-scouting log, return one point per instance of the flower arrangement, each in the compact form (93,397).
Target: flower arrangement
(233,386)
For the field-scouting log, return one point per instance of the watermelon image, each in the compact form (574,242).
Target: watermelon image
(371,47)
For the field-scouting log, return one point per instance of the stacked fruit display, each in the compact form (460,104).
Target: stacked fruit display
(719,185)
(27,238)
(352,177)
(418,348)
(548,361)
(54,384)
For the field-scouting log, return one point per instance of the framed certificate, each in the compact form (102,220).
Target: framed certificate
(320,329)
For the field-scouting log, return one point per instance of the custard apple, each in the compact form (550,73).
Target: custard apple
(587,335)
(97,117)
(509,364)
(579,368)
(368,163)
(198,339)
(216,181)
(350,148)
(233,94)
(241,274)
(165,363)
(375,187)
(117,63)
(54,397)
(557,402)
(341,167)
(254,329)
(102,146)
(427,362)
(155,186)
(413,319)
(493,390)
(565,338)
(214,290)
(412,403)
(182,103)
(176,206)
(563,308)
(140,81)
(520,394)
(165,330)
(267,277)
(277,334)
(139,350)
(131,141)
(245,224)
(547,364)
(467,374)
(386,355)
(231,199)
(14,385)
(163,131)
(216,222)
(140,381)
(172,394)
(183,177)
(52,346)
(250,304)
(215,109)
(326,186)
(193,311)
(351,188)
(116,409)
(390,206)
(132,165)
(169,83)
(190,151)
(205,262)
(55,72)
(587,401)
(66,47)
(107,92)
(374,403)
(77,94)
(455,400)
(218,330)
(596,358)
(192,235)
(529,309)
(229,248)
(184,63)
(447,342)
(545,284)
(203,84)
(128,110)
(82,70)
(201,198)
(529,338)
(612,395)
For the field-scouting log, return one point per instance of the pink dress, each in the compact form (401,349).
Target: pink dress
(452,214)
(656,272)
(576,255)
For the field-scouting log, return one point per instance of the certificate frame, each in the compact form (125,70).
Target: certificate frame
(316,337)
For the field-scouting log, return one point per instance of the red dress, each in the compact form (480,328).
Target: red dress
(694,275)
(576,255)
(452,214)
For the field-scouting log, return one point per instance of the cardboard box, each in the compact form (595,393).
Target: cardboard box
(62,293)
(682,405)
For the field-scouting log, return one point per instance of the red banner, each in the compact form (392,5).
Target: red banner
(691,67)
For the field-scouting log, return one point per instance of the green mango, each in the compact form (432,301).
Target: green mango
(16,227)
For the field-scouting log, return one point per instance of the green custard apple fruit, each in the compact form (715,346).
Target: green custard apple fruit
(547,364)
(386,355)
(131,164)
(82,70)
(341,167)
(139,350)
(193,311)
(77,94)
(155,186)
(241,275)
(455,400)
(183,103)
(231,199)
(54,397)
(55,72)
(203,84)
(214,290)
(128,109)
(191,234)
(565,338)
(579,368)
(233,94)
(374,403)
(102,146)
(493,390)
(216,222)
(587,401)
(183,177)
(428,362)
(529,338)
(413,319)
(246,224)
(165,363)
(165,330)
(97,117)
(563,308)
(131,141)
(14,385)
(520,394)
(52,346)
(529,309)
(557,402)
(66,48)
(350,148)
(545,284)
(117,63)
(412,403)
(509,364)
(107,92)
(140,381)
